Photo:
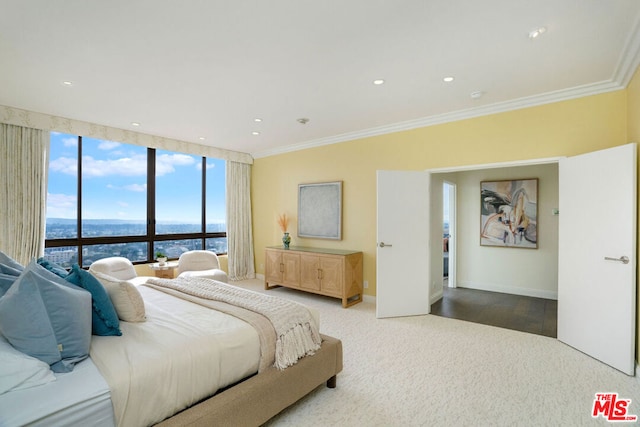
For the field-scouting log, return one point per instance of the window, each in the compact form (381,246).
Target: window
(178,193)
(216,196)
(114,189)
(130,201)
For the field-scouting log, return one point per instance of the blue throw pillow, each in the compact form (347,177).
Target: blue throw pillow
(7,260)
(56,269)
(105,320)
(6,280)
(10,270)
(47,318)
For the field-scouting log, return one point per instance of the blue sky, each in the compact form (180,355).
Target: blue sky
(114,182)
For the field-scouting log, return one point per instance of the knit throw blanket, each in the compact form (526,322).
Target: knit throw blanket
(296,333)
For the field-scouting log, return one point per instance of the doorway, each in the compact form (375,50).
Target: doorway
(449,234)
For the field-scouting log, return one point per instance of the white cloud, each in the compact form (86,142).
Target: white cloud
(135,165)
(125,166)
(165,163)
(65,165)
(123,204)
(108,145)
(61,205)
(209,166)
(70,142)
(139,188)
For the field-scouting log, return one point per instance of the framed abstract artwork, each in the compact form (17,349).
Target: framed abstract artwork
(509,213)
(320,210)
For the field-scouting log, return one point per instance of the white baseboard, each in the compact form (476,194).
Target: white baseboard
(435,296)
(369,298)
(528,292)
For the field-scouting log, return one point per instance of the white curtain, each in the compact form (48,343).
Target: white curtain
(23,191)
(239,228)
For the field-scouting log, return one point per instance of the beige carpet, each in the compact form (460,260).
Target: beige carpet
(434,371)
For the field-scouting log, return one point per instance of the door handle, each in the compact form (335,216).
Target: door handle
(383,244)
(622,259)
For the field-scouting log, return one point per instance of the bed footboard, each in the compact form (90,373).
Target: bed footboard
(259,398)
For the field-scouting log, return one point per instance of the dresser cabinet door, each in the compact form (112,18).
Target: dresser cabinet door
(309,272)
(274,268)
(291,274)
(331,275)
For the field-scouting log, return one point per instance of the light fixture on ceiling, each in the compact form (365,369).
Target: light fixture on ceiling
(257,120)
(448,79)
(67,83)
(378,82)
(202,138)
(135,124)
(477,94)
(537,32)
(255,133)
(303,120)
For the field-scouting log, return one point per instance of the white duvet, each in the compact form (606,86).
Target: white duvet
(182,353)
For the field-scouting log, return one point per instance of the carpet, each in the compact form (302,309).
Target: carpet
(434,371)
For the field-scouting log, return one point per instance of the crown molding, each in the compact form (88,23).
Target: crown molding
(624,72)
(500,107)
(629,58)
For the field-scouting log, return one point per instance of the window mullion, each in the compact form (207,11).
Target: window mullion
(151,201)
(79,199)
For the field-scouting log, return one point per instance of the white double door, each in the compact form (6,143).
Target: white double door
(597,251)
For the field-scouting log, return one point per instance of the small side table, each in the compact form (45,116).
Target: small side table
(165,271)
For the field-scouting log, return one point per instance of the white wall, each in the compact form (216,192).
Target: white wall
(532,272)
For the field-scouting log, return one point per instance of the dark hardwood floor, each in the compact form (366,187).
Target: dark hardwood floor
(527,314)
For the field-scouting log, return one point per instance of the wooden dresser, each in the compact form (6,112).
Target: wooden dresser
(332,272)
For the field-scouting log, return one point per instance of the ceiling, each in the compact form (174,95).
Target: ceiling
(204,70)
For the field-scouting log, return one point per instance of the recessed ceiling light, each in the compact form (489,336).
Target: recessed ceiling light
(257,120)
(477,94)
(448,79)
(135,124)
(255,133)
(67,83)
(202,138)
(537,32)
(378,82)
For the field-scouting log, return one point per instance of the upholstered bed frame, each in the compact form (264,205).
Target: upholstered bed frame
(255,400)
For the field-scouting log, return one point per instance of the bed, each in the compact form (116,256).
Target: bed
(185,364)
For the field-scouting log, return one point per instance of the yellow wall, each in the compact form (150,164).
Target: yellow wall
(633,135)
(559,129)
(633,109)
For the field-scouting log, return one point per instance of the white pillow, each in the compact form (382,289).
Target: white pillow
(19,371)
(125,297)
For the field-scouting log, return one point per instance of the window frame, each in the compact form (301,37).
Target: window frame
(151,237)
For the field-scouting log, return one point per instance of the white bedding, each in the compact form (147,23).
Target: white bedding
(182,353)
(70,400)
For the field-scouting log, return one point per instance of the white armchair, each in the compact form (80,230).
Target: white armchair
(118,267)
(201,264)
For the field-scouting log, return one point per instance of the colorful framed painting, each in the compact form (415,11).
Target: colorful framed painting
(509,213)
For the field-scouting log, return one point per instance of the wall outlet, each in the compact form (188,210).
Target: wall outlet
(366,284)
